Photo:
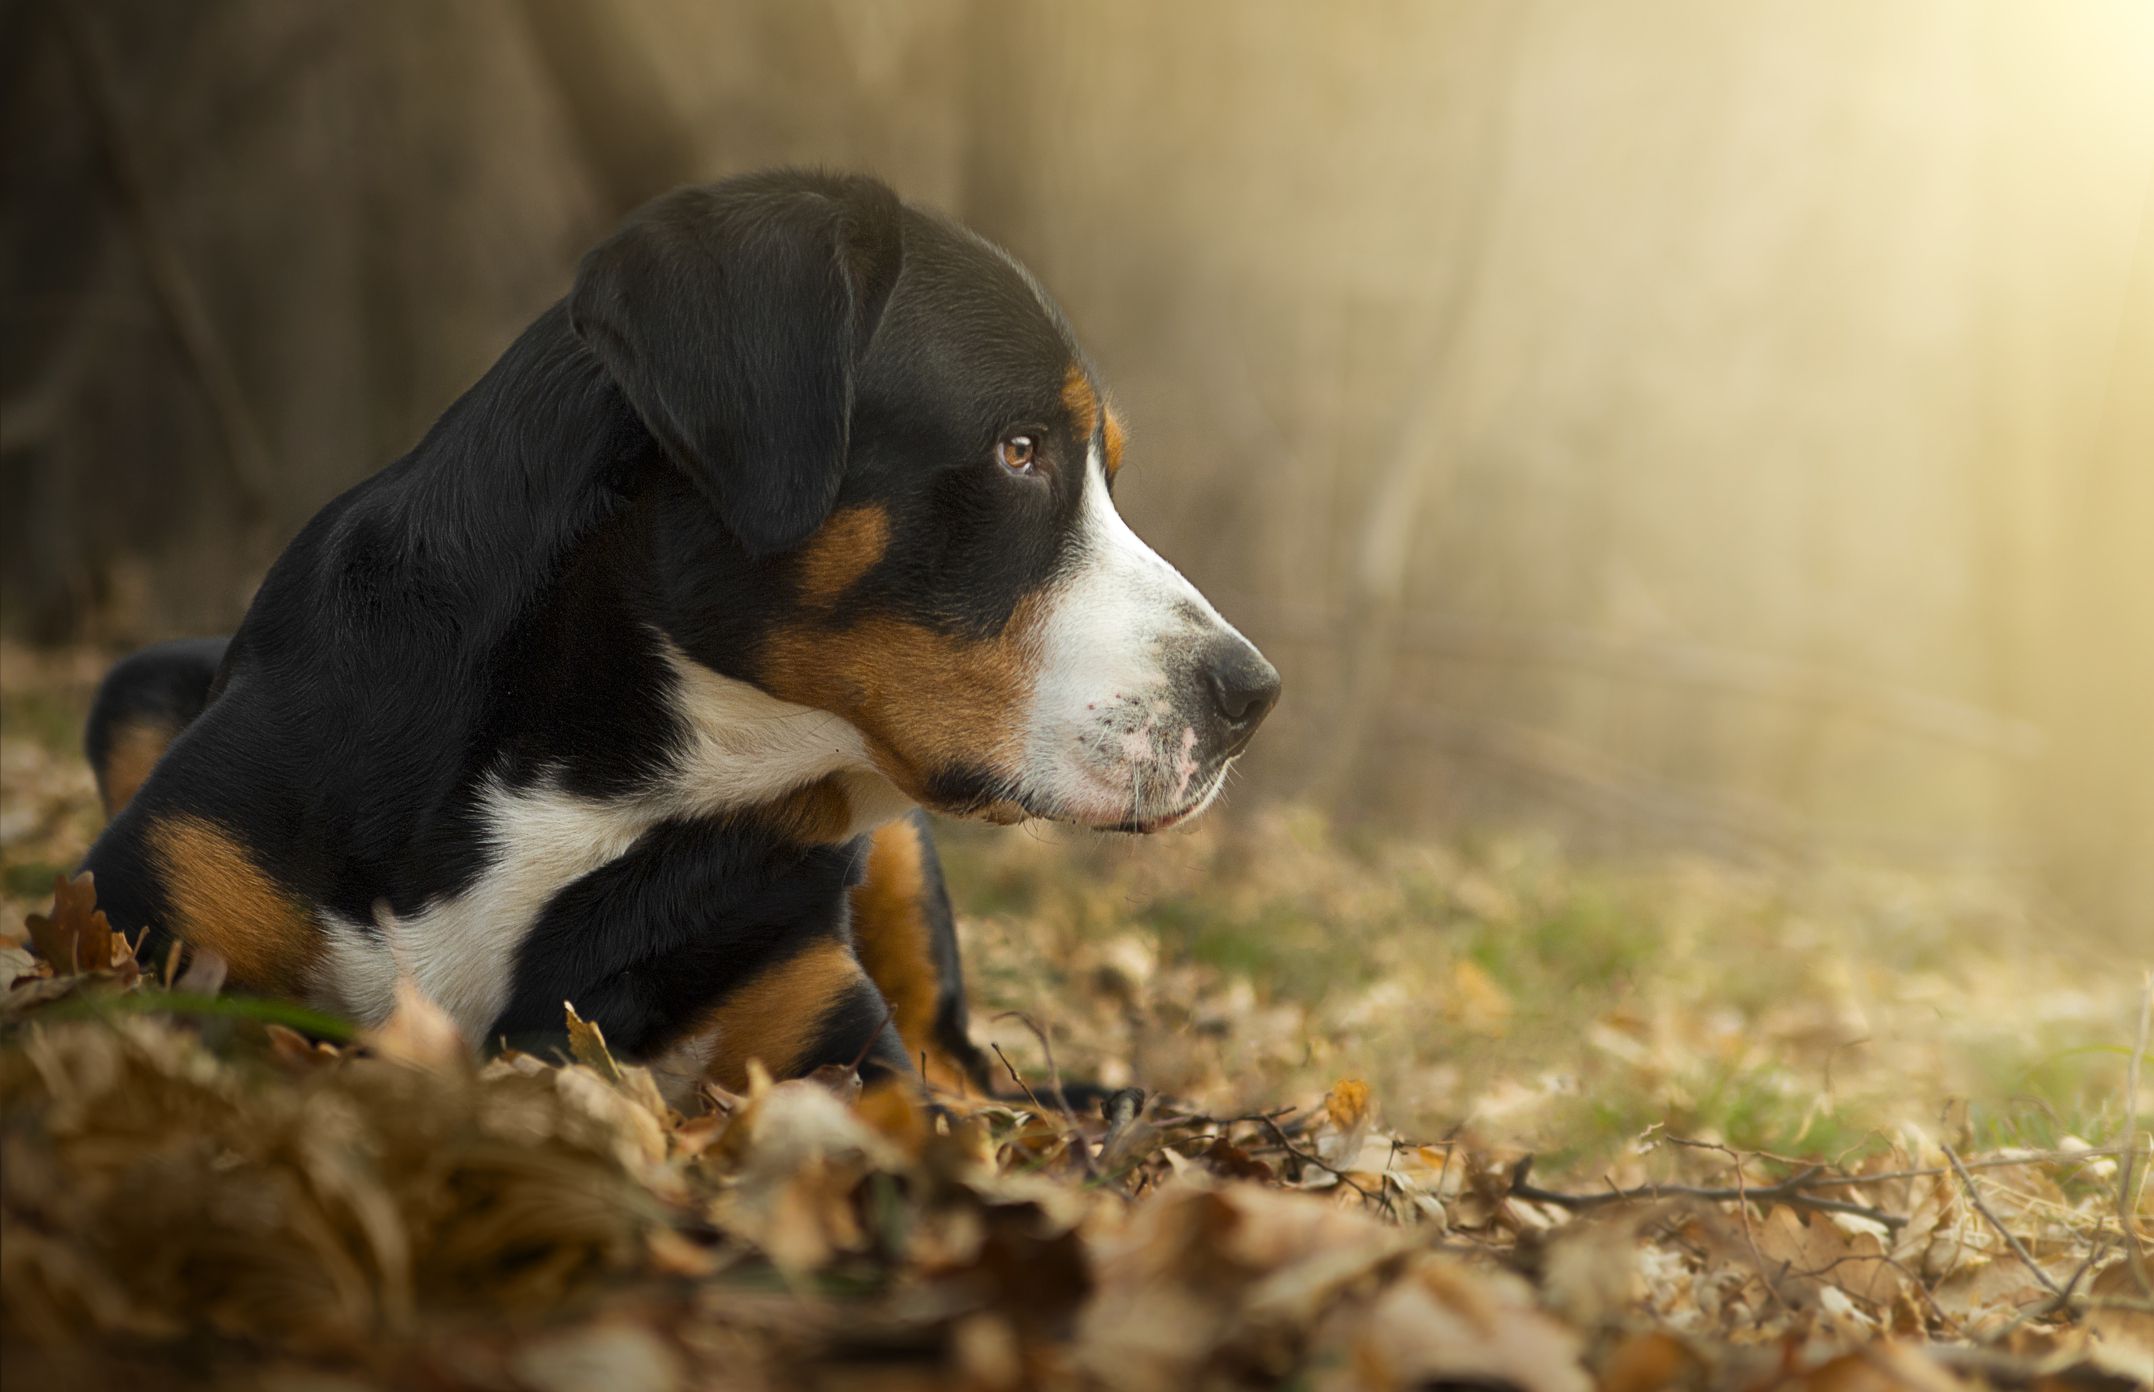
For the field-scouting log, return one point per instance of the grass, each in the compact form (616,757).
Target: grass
(1545,1002)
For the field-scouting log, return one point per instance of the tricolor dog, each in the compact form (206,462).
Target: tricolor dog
(621,688)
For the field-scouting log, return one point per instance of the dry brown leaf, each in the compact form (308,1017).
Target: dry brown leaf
(1882,1367)
(1814,1251)
(1446,1325)
(17,963)
(1588,1272)
(638,1133)
(2124,1337)
(1349,1113)
(616,1356)
(288,1046)
(587,1045)
(1348,1105)
(418,1032)
(1230,1161)
(76,937)
(1655,1361)
(893,1111)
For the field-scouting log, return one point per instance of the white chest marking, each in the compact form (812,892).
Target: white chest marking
(742,747)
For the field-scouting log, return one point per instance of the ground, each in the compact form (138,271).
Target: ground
(1415,1112)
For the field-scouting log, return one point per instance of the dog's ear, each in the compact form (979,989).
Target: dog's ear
(733,316)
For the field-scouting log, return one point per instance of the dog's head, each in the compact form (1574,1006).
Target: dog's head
(911,468)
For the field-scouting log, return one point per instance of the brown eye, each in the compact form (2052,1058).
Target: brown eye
(1016,453)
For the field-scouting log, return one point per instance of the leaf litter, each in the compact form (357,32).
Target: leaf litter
(197,1190)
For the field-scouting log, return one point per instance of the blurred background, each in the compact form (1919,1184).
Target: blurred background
(1677,423)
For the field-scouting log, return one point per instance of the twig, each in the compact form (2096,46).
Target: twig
(1054,1074)
(1307,1158)
(2063,1300)
(2132,1254)
(1750,1237)
(1974,1196)
(874,1037)
(1018,1079)
(1793,1191)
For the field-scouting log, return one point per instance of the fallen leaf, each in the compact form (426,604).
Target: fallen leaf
(1447,1326)
(1655,1361)
(76,937)
(417,1032)
(617,1357)
(587,1045)
(2123,1336)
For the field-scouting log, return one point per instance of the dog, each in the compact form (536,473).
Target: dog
(624,688)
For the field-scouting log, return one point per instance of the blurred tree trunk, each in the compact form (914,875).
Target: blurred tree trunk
(629,133)
(2067,487)
(251,249)
(2093,656)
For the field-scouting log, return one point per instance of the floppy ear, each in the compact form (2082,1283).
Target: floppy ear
(732,316)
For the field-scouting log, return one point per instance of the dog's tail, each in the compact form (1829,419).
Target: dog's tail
(141,706)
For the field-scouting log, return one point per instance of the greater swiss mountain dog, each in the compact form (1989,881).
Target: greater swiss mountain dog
(622,687)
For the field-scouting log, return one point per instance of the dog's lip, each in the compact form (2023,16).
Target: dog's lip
(1146,826)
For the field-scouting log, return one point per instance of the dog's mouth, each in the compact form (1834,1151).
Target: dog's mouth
(1136,820)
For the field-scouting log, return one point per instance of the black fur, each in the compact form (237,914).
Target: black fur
(488,609)
(759,422)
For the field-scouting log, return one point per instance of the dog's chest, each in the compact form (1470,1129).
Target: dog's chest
(739,749)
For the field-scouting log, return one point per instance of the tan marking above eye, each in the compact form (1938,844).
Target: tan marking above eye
(1082,400)
(219,899)
(843,549)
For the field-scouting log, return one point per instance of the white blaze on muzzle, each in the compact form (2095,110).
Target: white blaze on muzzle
(1119,733)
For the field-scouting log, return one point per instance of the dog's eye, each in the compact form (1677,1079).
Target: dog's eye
(1017,453)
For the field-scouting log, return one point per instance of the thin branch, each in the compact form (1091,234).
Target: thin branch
(1794,1191)
(1307,1158)
(1054,1074)
(1974,1196)
(2067,1301)
(874,1036)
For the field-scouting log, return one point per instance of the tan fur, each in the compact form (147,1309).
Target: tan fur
(135,749)
(1083,402)
(1114,444)
(842,550)
(220,901)
(891,932)
(776,1015)
(815,812)
(927,701)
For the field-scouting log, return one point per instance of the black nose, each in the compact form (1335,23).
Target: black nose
(1244,689)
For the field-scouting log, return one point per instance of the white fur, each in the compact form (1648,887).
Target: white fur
(743,747)
(1108,735)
